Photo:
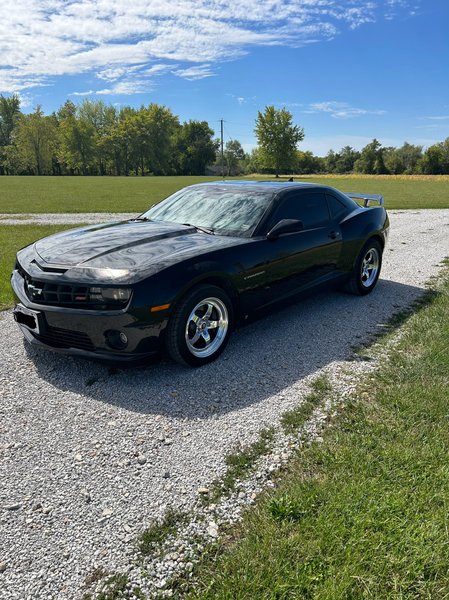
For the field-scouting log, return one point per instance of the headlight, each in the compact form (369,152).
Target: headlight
(119,295)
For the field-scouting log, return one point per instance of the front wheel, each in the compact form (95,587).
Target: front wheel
(366,270)
(199,329)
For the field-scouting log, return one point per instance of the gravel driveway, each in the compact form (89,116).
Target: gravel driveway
(90,456)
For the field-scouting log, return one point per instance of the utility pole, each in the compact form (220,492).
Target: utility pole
(222,152)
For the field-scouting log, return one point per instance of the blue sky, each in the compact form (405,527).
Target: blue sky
(348,71)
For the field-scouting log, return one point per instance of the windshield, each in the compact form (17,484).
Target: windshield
(221,209)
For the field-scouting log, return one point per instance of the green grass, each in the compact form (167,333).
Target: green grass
(400,192)
(240,463)
(87,194)
(136,194)
(364,514)
(152,536)
(293,419)
(12,238)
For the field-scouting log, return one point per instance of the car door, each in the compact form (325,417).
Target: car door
(296,261)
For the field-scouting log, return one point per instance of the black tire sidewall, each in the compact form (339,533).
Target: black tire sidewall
(176,343)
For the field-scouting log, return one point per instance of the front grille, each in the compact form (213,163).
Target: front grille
(62,294)
(64,338)
(56,293)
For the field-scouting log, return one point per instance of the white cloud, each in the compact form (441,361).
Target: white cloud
(439,118)
(41,40)
(123,88)
(197,72)
(340,110)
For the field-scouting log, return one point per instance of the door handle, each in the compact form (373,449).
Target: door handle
(334,235)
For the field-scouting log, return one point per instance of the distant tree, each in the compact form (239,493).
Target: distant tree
(163,125)
(346,159)
(435,160)
(233,155)
(278,138)
(410,155)
(77,150)
(34,138)
(195,148)
(255,163)
(393,161)
(371,159)
(403,159)
(330,161)
(307,162)
(9,116)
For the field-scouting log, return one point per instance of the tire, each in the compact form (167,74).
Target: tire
(191,340)
(366,271)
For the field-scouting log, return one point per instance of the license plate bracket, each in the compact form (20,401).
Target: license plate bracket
(27,317)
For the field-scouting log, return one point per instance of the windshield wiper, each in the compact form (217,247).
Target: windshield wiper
(141,219)
(203,229)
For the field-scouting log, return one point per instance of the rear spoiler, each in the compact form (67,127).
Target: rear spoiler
(366,198)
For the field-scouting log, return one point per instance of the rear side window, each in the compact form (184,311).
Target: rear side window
(336,207)
(308,207)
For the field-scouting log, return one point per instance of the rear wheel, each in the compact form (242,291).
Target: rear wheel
(366,270)
(199,329)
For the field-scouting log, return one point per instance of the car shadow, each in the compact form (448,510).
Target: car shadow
(261,360)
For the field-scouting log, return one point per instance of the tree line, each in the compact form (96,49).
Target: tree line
(373,159)
(95,138)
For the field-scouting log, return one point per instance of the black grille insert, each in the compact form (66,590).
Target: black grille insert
(64,338)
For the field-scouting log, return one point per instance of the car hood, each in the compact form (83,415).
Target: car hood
(128,250)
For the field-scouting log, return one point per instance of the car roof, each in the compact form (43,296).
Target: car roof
(263,185)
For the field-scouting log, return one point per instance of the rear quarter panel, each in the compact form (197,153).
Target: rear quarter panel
(358,227)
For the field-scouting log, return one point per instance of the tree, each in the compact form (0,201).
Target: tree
(9,116)
(403,159)
(371,159)
(307,162)
(34,138)
(195,148)
(278,138)
(346,159)
(77,147)
(435,160)
(233,154)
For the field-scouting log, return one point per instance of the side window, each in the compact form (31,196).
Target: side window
(308,207)
(336,207)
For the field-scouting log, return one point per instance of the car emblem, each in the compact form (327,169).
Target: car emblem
(35,291)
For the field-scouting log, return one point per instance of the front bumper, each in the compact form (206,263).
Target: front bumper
(84,333)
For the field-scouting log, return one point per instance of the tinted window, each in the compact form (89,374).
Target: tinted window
(310,208)
(336,207)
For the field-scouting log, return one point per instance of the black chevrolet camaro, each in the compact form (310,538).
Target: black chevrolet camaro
(186,272)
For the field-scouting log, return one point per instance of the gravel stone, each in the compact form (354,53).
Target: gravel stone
(48,416)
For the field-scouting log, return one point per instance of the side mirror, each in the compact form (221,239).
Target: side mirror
(285,226)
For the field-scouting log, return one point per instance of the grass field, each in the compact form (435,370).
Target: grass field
(87,194)
(12,238)
(134,194)
(364,514)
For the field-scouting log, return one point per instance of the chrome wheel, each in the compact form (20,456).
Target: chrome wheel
(206,327)
(370,267)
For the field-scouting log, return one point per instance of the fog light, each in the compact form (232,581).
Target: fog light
(116,339)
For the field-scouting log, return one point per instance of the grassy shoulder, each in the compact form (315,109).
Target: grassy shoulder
(136,194)
(364,514)
(12,238)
